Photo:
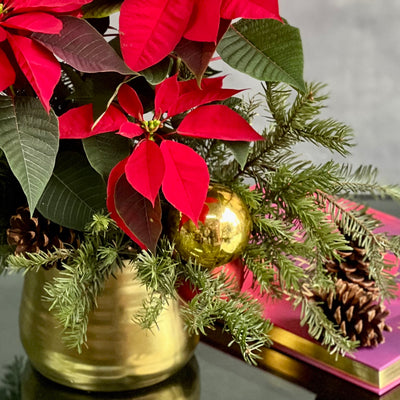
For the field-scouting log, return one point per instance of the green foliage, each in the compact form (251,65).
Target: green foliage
(298,223)
(265,49)
(76,188)
(29,140)
(105,150)
(10,388)
(101,8)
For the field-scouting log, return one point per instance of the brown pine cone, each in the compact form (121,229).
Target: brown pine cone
(354,267)
(37,233)
(356,311)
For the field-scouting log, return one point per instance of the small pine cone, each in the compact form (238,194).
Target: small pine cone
(356,311)
(32,234)
(353,268)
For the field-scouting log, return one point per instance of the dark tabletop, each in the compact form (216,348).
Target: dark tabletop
(212,374)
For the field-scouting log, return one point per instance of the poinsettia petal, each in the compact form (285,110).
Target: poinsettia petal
(204,22)
(150,29)
(3,34)
(77,123)
(7,73)
(35,22)
(117,174)
(55,6)
(217,121)
(186,178)
(130,130)
(130,102)
(166,96)
(38,65)
(253,9)
(145,169)
(208,92)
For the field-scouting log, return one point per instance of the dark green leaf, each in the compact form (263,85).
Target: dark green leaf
(240,151)
(105,151)
(82,47)
(157,73)
(101,8)
(74,193)
(265,49)
(29,140)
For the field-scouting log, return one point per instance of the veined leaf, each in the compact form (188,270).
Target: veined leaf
(29,139)
(132,212)
(74,193)
(139,215)
(82,47)
(105,150)
(101,8)
(265,49)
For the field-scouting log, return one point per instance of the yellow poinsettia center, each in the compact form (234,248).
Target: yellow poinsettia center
(151,126)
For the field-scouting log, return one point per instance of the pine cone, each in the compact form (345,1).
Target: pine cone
(354,268)
(356,311)
(37,233)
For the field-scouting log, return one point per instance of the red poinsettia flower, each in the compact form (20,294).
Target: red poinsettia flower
(158,162)
(18,20)
(152,29)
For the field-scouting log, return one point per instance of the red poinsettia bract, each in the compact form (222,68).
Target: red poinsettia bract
(18,20)
(151,29)
(157,162)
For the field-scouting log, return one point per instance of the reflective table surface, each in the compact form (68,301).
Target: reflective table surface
(213,373)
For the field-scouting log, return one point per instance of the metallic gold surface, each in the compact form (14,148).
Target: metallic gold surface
(120,355)
(223,235)
(184,385)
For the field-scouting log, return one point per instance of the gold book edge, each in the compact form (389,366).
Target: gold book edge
(342,364)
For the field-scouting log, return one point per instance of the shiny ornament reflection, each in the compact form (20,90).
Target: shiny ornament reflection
(222,234)
(184,385)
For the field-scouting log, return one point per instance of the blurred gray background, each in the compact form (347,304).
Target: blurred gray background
(354,46)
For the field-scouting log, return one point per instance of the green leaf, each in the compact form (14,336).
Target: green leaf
(74,193)
(101,8)
(240,151)
(265,49)
(29,140)
(158,72)
(105,151)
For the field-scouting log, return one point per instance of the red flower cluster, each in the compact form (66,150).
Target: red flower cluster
(18,19)
(157,162)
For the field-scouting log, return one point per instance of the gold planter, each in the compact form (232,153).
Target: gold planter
(120,355)
(184,385)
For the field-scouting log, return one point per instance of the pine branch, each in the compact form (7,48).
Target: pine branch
(322,329)
(240,314)
(35,261)
(359,226)
(363,180)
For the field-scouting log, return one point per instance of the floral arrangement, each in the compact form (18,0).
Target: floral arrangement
(122,137)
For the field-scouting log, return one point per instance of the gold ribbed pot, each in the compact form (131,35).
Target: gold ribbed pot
(120,355)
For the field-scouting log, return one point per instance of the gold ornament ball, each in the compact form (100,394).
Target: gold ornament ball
(223,234)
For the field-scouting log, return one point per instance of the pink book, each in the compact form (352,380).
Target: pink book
(375,369)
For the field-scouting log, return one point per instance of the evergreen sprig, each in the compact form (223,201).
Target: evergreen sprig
(240,314)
